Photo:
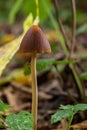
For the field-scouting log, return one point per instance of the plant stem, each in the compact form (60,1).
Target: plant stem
(55,25)
(37,8)
(34,90)
(60,23)
(73,25)
(69,122)
(77,78)
(66,51)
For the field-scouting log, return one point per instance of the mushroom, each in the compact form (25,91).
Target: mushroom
(34,42)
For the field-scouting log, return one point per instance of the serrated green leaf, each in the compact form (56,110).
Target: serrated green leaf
(4,107)
(67,111)
(84,75)
(62,114)
(67,107)
(80,107)
(22,121)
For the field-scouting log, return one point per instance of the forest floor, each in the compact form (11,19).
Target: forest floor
(54,88)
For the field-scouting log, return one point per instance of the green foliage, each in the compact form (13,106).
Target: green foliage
(65,14)
(27,69)
(4,9)
(27,7)
(30,7)
(42,65)
(45,64)
(63,114)
(21,121)
(67,112)
(81,17)
(14,10)
(4,107)
(71,61)
(82,29)
(54,47)
(28,22)
(80,107)
(84,75)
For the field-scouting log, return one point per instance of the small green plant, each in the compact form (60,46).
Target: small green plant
(3,112)
(4,107)
(67,112)
(21,121)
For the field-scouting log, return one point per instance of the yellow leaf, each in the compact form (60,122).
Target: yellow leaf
(7,51)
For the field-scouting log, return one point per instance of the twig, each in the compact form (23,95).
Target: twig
(60,24)
(55,25)
(75,73)
(73,25)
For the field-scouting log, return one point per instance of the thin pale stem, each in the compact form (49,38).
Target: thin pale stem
(77,78)
(69,122)
(34,90)
(73,25)
(55,25)
(66,51)
(75,73)
(37,8)
(61,24)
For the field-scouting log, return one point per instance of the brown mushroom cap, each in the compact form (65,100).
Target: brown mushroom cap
(34,41)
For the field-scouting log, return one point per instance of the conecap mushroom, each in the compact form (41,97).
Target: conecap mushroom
(34,42)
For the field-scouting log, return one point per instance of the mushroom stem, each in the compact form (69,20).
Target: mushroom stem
(34,90)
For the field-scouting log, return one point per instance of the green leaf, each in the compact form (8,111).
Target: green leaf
(27,69)
(42,10)
(62,114)
(67,111)
(81,17)
(14,10)
(4,107)
(43,65)
(84,75)
(62,107)
(82,29)
(30,7)
(80,107)
(28,22)
(21,121)
(54,47)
